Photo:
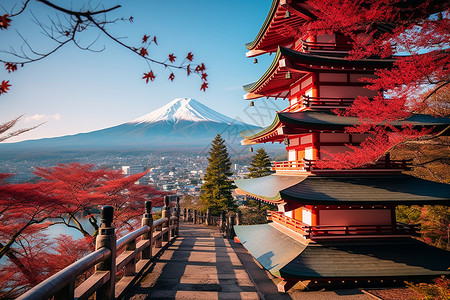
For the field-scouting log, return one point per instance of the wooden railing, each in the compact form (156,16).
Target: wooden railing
(290,223)
(135,256)
(311,46)
(225,221)
(324,231)
(386,164)
(288,165)
(318,102)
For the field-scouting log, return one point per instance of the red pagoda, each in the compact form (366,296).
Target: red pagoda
(331,225)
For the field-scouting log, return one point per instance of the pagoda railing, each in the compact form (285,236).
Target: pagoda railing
(382,164)
(318,46)
(332,102)
(318,102)
(327,231)
(288,165)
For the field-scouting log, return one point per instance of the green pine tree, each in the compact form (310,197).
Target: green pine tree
(216,191)
(260,165)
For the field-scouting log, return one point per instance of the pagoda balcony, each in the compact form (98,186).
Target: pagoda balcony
(309,165)
(316,232)
(288,165)
(324,47)
(319,102)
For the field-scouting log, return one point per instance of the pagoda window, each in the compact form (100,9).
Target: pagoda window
(307,139)
(307,216)
(309,153)
(292,155)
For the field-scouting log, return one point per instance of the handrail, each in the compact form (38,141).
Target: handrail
(288,165)
(308,46)
(103,282)
(122,242)
(50,286)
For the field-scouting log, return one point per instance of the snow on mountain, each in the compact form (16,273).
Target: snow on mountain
(185,109)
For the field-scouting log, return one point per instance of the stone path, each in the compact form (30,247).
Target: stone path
(200,264)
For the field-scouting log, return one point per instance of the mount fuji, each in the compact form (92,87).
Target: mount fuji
(182,124)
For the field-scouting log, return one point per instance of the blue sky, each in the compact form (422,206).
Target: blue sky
(79,91)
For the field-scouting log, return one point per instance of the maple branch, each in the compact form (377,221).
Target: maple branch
(8,125)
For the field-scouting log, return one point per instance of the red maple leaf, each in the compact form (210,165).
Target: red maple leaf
(188,70)
(204,86)
(172,58)
(11,67)
(202,67)
(4,21)
(204,75)
(197,69)
(145,38)
(190,56)
(148,76)
(171,77)
(131,19)
(143,52)
(154,40)
(4,87)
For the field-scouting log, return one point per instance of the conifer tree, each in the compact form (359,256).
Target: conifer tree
(216,191)
(260,165)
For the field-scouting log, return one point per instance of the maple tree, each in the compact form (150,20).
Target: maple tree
(82,188)
(417,35)
(65,194)
(66,28)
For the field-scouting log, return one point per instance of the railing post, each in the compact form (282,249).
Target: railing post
(230,229)
(189,215)
(239,218)
(195,216)
(147,219)
(221,223)
(107,238)
(166,214)
(177,230)
(208,217)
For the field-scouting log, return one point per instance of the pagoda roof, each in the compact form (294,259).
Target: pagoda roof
(278,30)
(286,255)
(340,189)
(324,119)
(274,83)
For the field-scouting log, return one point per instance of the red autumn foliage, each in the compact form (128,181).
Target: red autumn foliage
(421,71)
(4,87)
(65,193)
(10,67)
(66,27)
(171,77)
(149,76)
(143,52)
(4,21)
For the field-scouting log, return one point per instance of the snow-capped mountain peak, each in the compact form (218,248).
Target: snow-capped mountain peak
(185,109)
